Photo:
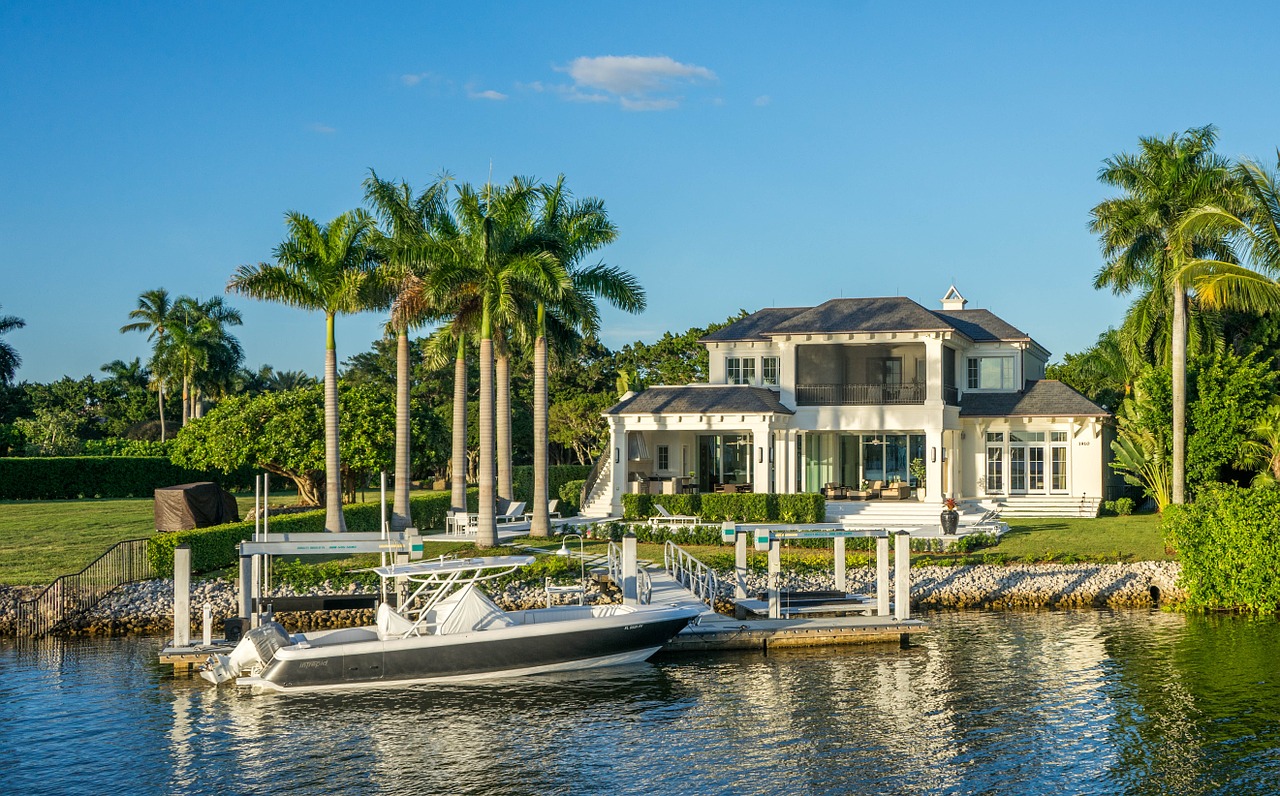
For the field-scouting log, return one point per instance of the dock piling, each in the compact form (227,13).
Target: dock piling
(246,575)
(902,575)
(840,564)
(882,576)
(740,565)
(206,636)
(775,576)
(182,595)
(630,564)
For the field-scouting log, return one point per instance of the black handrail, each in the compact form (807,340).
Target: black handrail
(590,483)
(859,394)
(71,596)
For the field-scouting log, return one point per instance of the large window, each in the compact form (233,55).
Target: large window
(664,457)
(1058,461)
(995,462)
(769,371)
(740,370)
(991,373)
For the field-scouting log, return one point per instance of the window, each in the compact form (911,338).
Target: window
(995,468)
(1057,436)
(769,371)
(991,373)
(664,457)
(1059,465)
(740,370)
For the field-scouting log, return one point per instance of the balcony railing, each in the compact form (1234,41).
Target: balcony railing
(859,394)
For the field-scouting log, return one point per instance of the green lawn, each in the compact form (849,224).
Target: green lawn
(40,540)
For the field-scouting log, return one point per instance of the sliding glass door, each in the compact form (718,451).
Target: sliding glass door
(723,459)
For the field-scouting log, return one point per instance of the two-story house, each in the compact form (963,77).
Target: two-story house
(854,391)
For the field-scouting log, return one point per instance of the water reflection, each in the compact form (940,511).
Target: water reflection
(1013,703)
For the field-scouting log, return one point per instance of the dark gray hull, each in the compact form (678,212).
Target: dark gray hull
(474,655)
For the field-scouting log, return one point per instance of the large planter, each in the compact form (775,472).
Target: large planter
(950,521)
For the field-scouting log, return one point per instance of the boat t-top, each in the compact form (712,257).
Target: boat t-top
(448,629)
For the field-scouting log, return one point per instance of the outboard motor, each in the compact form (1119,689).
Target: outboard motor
(254,652)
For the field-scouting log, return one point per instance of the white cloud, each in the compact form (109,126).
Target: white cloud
(487,94)
(635,82)
(763,100)
(414,79)
(635,74)
(324,129)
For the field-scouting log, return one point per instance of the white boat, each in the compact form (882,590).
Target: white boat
(448,629)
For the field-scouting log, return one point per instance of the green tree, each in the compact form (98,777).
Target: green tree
(408,222)
(328,268)
(9,359)
(1161,184)
(570,230)
(1231,396)
(1261,452)
(492,258)
(673,358)
(152,316)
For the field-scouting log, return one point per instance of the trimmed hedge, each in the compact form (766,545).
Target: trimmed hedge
(71,477)
(715,507)
(557,476)
(215,547)
(1228,547)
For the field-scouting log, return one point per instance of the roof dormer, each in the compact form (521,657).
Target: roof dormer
(953,300)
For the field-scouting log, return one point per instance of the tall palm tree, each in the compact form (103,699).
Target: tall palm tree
(128,374)
(494,259)
(1164,181)
(1262,453)
(9,359)
(325,267)
(408,222)
(152,317)
(571,230)
(1247,281)
(204,352)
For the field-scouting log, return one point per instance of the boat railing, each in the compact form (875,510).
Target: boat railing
(644,584)
(71,596)
(691,573)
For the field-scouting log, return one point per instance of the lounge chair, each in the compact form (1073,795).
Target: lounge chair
(514,513)
(665,517)
(553,510)
(833,491)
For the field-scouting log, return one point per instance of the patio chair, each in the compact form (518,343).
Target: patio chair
(665,517)
(553,510)
(833,491)
(514,513)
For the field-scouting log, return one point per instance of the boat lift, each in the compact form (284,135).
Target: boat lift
(769,538)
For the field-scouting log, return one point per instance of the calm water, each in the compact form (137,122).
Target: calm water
(1020,703)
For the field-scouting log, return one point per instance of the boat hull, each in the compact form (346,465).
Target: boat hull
(555,646)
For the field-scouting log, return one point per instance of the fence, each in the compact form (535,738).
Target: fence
(70,596)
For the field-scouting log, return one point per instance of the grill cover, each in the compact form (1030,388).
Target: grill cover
(187,506)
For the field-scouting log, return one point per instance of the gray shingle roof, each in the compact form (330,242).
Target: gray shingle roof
(1043,398)
(981,325)
(699,399)
(755,325)
(888,314)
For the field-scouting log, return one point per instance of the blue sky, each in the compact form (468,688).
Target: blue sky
(752,154)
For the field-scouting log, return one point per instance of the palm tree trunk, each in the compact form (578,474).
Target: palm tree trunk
(541,525)
(458,499)
(334,521)
(502,387)
(160,392)
(1179,368)
(186,399)
(400,506)
(486,526)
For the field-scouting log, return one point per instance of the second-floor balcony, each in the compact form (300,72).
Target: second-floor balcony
(859,394)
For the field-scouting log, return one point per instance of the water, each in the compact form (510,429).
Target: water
(1002,703)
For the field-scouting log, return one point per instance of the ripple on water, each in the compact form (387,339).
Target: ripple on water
(1005,703)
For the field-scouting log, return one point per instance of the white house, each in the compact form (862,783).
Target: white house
(836,397)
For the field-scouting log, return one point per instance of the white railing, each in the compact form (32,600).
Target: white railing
(691,573)
(644,586)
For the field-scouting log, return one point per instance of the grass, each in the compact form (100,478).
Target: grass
(40,540)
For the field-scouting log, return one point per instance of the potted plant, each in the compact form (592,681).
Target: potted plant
(918,471)
(950,517)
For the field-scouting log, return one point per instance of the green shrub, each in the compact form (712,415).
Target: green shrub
(803,508)
(637,507)
(570,493)
(1123,506)
(1228,547)
(716,507)
(974,541)
(557,477)
(680,504)
(71,477)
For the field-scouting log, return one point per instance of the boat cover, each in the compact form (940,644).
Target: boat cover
(467,610)
(200,505)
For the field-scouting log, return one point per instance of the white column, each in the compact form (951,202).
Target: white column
(902,575)
(933,445)
(740,565)
(775,576)
(630,588)
(933,370)
(882,576)
(182,595)
(840,564)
